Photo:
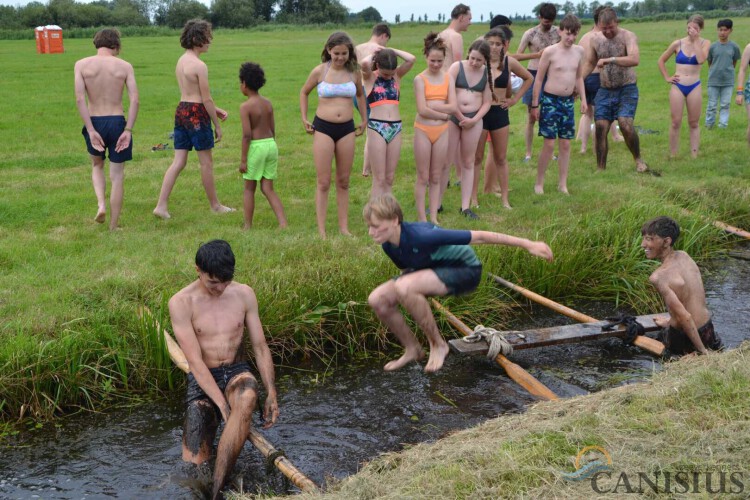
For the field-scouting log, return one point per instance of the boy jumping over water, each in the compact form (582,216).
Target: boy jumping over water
(258,131)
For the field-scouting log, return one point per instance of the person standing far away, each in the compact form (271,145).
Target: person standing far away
(209,320)
(722,59)
(615,52)
(434,262)
(678,281)
(536,40)
(561,66)
(591,84)
(685,85)
(260,156)
(743,87)
(338,80)
(193,117)
(99,84)
(381,34)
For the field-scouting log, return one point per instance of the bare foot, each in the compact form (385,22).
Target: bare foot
(563,189)
(221,209)
(600,169)
(162,213)
(507,205)
(404,360)
(246,226)
(100,216)
(345,232)
(539,189)
(115,228)
(641,167)
(437,357)
(322,235)
(694,154)
(583,151)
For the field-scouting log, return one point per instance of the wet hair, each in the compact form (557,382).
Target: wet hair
(460,10)
(697,19)
(340,38)
(500,20)
(598,11)
(607,15)
(433,42)
(662,227)
(725,23)
(384,207)
(548,11)
(483,48)
(571,24)
(196,33)
(252,75)
(107,38)
(385,59)
(381,29)
(216,259)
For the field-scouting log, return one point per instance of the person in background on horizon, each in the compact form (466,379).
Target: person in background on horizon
(678,281)
(338,80)
(99,84)
(591,84)
(209,320)
(259,159)
(722,59)
(615,52)
(435,96)
(382,75)
(743,87)
(381,34)
(434,262)
(193,117)
(561,66)
(685,85)
(536,40)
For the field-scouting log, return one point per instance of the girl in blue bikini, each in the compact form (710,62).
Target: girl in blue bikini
(338,81)
(690,54)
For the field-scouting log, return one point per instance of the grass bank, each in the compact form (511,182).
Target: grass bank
(69,289)
(689,421)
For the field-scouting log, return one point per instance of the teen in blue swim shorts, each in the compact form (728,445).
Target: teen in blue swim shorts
(110,128)
(192,127)
(557,117)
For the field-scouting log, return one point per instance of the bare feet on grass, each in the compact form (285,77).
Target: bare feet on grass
(409,356)
(161,213)
(539,189)
(221,209)
(563,189)
(101,215)
(438,353)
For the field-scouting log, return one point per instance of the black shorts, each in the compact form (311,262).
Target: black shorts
(335,131)
(496,118)
(460,280)
(678,342)
(222,375)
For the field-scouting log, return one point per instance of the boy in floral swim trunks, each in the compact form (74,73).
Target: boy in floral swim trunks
(259,148)
(193,117)
(562,67)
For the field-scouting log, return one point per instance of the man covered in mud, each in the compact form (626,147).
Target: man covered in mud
(678,281)
(614,51)
(435,262)
(209,318)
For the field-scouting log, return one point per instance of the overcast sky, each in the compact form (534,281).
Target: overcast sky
(389,8)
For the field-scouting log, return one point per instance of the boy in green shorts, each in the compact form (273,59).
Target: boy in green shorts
(260,156)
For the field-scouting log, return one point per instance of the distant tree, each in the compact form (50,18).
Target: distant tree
(264,9)
(63,13)
(582,10)
(233,13)
(623,8)
(10,18)
(593,6)
(412,18)
(425,18)
(311,11)
(568,7)
(34,14)
(491,16)
(175,13)
(398,18)
(370,15)
(419,20)
(130,13)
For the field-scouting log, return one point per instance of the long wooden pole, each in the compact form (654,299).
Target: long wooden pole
(723,226)
(261,443)
(645,343)
(515,372)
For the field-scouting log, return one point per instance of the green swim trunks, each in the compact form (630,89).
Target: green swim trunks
(262,160)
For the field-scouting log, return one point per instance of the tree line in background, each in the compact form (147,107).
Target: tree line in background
(248,13)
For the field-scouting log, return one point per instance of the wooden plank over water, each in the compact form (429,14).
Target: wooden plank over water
(555,335)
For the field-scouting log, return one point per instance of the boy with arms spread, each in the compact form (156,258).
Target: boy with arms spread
(435,262)
(678,281)
(209,318)
(562,66)
(258,131)
(193,117)
(722,59)
(102,79)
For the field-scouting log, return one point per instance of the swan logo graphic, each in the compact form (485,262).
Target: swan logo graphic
(589,461)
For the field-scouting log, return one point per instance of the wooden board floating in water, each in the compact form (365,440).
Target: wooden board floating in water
(555,335)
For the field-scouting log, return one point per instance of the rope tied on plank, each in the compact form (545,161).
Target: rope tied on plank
(496,342)
(271,459)
(633,329)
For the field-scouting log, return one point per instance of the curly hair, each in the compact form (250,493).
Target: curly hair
(196,33)
(252,75)
(340,38)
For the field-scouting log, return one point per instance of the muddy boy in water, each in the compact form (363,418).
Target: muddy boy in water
(678,281)
(209,318)
(435,262)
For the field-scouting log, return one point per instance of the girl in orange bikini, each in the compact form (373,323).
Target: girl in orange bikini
(436,102)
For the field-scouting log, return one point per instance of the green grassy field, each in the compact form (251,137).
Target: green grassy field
(69,289)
